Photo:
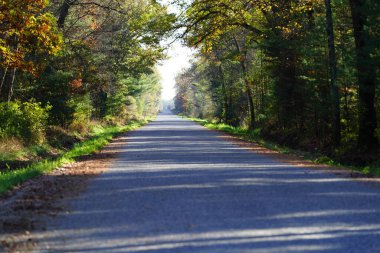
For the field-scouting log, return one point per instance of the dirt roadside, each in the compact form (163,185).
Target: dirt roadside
(301,162)
(27,207)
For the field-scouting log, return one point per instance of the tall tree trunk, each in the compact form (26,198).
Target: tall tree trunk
(10,94)
(285,88)
(4,76)
(366,79)
(225,99)
(252,124)
(64,12)
(251,104)
(334,87)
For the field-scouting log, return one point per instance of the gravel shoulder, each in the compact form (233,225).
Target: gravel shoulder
(30,206)
(301,162)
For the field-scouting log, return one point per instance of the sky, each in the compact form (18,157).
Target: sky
(179,57)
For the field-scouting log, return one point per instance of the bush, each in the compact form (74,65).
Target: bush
(24,120)
(53,88)
(10,120)
(82,111)
(117,108)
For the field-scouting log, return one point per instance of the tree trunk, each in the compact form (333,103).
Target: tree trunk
(252,124)
(285,88)
(366,71)
(64,12)
(10,94)
(225,99)
(3,79)
(334,87)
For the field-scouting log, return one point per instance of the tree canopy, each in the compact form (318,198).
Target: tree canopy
(302,73)
(84,60)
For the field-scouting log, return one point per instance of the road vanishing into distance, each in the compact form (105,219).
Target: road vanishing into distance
(178,187)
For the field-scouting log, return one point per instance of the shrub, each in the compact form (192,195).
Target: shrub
(35,121)
(24,120)
(10,120)
(53,88)
(117,112)
(82,111)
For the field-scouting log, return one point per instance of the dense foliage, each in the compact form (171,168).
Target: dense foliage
(303,73)
(25,120)
(65,63)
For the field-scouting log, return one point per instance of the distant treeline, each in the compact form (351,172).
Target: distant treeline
(303,73)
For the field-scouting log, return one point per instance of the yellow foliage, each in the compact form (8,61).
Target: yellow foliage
(27,29)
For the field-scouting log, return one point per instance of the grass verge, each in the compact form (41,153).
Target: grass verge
(254,136)
(98,139)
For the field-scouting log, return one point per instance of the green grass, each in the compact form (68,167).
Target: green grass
(98,139)
(12,155)
(254,136)
(241,133)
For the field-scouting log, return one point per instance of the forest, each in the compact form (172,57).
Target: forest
(71,66)
(285,156)
(301,73)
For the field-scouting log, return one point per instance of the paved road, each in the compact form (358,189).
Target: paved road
(176,187)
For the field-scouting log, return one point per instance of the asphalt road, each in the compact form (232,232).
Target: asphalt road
(177,187)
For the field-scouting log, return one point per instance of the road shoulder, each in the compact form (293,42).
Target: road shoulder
(28,207)
(298,161)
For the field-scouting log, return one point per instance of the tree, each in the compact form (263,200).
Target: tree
(26,29)
(335,96)
(28,34)
(109,42)
(366,72)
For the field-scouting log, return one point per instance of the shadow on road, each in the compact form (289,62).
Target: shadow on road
(176,187)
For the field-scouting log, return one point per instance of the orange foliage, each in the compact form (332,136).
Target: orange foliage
(25,28)
(76,84)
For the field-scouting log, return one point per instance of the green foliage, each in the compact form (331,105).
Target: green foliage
(26,121)
(244,133)
(148,101)
(35,120)
(324,160)
(136,98)
(266,66)
(117,107)
(53,88)
(97,67)
(101,67)
(10,116)
(192,98)
(82,111)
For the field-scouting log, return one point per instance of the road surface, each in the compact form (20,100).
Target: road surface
(178,187)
